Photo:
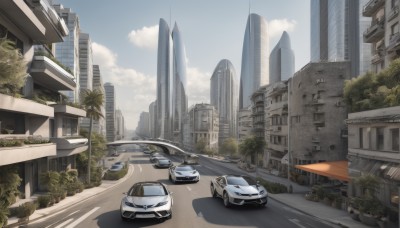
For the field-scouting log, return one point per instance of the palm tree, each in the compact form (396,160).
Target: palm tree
(93,101)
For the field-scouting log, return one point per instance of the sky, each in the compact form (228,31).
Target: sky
(124,35)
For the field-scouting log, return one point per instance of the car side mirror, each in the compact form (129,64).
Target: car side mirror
(124,193)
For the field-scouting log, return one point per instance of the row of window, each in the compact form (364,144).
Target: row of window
(374,138)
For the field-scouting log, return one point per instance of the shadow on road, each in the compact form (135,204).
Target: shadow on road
(113,219)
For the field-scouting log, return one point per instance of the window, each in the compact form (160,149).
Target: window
(361,137)
(395,139)
(379,138)
(394,28)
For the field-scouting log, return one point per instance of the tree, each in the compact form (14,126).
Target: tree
(201,145)
(12,68)
(229,146)
(251,146)
(93,101)
(9,182)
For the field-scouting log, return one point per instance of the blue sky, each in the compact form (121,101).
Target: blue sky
(124,36)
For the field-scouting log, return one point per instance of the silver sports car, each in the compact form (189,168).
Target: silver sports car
(183,173)
(238,190)
(147,200)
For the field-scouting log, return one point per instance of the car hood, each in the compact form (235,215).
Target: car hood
(186,173)
(252,189)
(148,200)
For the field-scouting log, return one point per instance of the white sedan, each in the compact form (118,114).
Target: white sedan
(238,190)
(183,173)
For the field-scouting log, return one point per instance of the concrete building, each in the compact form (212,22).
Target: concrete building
(67,52)
(281,60)
(245,123)
(383,32)
(110,111)
(119,125)
(143,127)
(224,96)
(99,126)
(203,126)
(44,129)
(373,145)
(315,104)
(255,59)
(335,27)
(152,120)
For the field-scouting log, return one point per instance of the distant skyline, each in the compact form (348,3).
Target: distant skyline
(124,36)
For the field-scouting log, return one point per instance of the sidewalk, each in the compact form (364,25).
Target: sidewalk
(297,200)
(71,200)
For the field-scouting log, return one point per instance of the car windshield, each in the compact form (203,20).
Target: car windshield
(184,168)
(115,166)
(241,181)
(147,190)
(163,161)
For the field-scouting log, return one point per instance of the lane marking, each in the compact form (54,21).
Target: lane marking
(47,217)
(297,222)
(73,213)
(140,168)
(83,217)
(64,223)
(188,188)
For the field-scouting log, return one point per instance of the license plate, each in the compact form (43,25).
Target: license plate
(145,216)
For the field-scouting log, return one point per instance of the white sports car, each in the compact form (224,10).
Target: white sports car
(238,190)
(183,173)
(147,200)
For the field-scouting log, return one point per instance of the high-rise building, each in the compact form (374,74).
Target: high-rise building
(224,97)
(99,126)
(152,119)
(164,83)
(335,27)
(119,125)
(281,60)
(85,62)
(143,127)
(110,111)
(255,69)
(365,48)
(179,91)
(67,52)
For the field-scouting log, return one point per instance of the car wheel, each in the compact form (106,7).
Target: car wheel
(170,215)
(124,219)
(213,192)
(169,177)
(226,200)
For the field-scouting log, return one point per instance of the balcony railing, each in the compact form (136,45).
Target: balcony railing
(375,32)
(372,6)
(394,43)
(393,13)
(377,57)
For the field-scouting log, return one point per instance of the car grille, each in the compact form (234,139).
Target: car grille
(186,178)
(256,194)
(144,206)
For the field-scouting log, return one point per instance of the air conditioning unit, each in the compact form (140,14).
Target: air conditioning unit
(317,148)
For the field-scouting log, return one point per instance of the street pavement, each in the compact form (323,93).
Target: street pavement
(295,200)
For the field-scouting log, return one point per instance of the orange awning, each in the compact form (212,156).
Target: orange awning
(332,169)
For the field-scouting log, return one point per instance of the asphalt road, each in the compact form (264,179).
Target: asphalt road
(193,204)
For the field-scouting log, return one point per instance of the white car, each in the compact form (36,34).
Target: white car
(147,200)
(238,190)
(183,173)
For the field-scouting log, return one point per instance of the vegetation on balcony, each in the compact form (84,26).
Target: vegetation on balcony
(15,142)
(9,182)
(46,54)
(374,91)
(12,68)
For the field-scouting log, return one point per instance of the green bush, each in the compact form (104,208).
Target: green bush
(274,188)
(26,209)
(44,201)
(115,175)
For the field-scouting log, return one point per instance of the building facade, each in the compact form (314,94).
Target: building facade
(315,104)
(143,127)
(99,126)
(152,120)
(110,111)
(245,124)
(255,59)
(224,96)
(119,125)
(281,60)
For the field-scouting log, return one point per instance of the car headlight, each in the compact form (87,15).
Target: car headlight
(194,172)
(129,204)
(161,203)
(262,192)
(179,173)
(238,193)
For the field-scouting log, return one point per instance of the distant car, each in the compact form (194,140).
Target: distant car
(115,154)
(153,159)
(183,173)
(163,163)
(116,168)
(147,200)
(154,153)
(120,163)
(146,151)
(238,190)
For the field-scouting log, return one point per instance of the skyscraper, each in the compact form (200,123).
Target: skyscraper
(85,62)
(281,60)
(224,97)
(180,99)
(164,83)
(255,54)
(110,111)
(335,32)
(99,126)
(67,52)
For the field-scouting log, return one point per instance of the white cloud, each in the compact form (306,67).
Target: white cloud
(134,90)
(146,37)
(277,26)
(198,86)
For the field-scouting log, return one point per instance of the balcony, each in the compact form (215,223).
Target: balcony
(375,32)
(377,57)
(50,75)
(70,146)
(372,6)
(394,43)
(317,102)
(21,105)
(72,111)
(21,152)
(394,12)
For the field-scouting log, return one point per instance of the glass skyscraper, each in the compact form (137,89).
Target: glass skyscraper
(281,60)
(255,54)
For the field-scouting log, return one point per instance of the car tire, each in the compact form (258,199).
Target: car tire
(170,216)
(213,192)
(226,199)
(124,219)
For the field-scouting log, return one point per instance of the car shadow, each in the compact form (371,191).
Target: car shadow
(113,219)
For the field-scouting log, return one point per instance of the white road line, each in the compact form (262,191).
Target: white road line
(140,168)
(45,218)
(297,222)
(64,223)
(83,217)
(73,213)
(188,188)
(133,167)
